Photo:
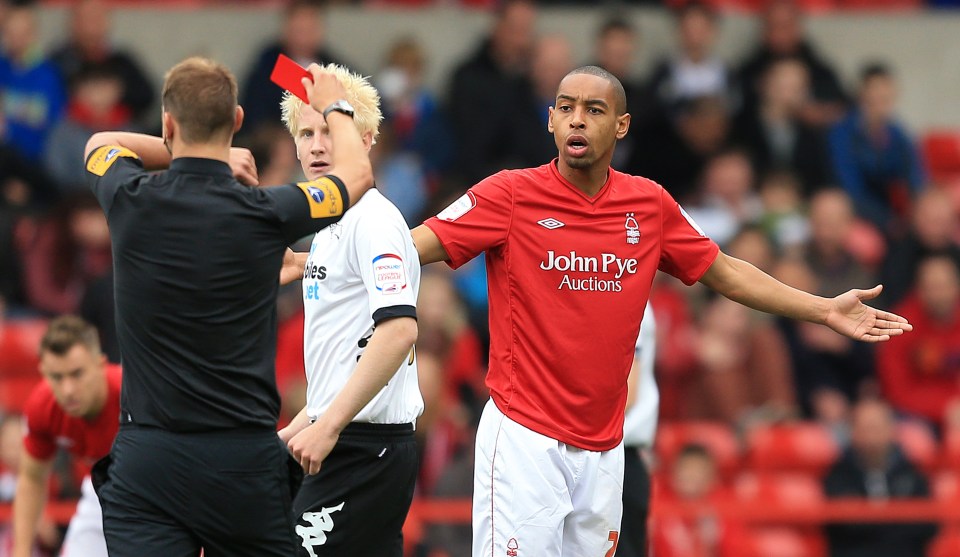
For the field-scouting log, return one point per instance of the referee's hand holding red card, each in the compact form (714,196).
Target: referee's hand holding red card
(324,89)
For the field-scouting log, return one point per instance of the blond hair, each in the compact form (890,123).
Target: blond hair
(360,94)
(201,95)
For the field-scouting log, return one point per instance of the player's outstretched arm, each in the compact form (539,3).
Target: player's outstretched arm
(390,344)
(846,314)
(28,502)
(351,162)
(428,245)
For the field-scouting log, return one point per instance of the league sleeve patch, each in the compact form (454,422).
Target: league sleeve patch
(459,207)
(323,197)
(692,222)
(103,158)
(389,274)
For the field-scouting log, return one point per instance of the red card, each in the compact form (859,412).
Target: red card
(287,74)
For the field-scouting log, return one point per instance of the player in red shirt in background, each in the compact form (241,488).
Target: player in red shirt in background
(77,407)
(571,250)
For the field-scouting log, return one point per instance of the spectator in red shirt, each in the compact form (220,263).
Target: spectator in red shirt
(920,374)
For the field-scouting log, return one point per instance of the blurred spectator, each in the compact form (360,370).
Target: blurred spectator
(16,223)
(874,467)
(783,37)
(920,373)
(552,59)
(275,154)
(20,357)
(829,370)
(453,378)
(876,162)
(828,253)
(933,230)
(94,105)
(401,176)
(413,114)
(694,480)
(728,200)
(676,156)
(784,215)
(32,97)
(775,133)
(615,49)
(693,70)
(303,38)
(745,366)
(69,250)
(486,90)
(677,345)
(89,44)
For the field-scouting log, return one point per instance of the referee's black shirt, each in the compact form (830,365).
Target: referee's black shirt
(196,259)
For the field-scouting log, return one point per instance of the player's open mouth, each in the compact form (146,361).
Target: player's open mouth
(576,145)
(319,167)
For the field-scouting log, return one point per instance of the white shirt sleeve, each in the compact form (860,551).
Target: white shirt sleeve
(385,260)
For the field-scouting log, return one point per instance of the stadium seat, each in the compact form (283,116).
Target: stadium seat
(941,153)
(918,443)
(717,437)
(782,542)
(946,487)
(799,447)
(947,544)
(782,489)
(950,458)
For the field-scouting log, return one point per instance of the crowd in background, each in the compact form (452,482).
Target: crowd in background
(772,156)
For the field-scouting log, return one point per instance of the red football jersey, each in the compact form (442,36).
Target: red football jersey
(48,427)
(568,279)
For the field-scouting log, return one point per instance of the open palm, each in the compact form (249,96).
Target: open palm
(849,316)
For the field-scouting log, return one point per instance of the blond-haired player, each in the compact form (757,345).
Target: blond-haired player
(354,437)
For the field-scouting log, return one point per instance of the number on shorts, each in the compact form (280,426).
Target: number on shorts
(613,537)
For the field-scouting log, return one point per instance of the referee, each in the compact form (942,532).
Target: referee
(197,463)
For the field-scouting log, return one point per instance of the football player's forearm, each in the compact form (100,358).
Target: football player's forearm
(389,346)
(28,504)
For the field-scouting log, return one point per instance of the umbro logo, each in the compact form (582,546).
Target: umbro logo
(550,223)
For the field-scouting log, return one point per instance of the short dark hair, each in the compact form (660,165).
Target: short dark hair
(67,331)
(615,23)
(620,96)
(696,450)
(874,69)
(201,95)
(695,6)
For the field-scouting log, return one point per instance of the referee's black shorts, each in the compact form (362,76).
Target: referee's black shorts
(168,494)
(358,502)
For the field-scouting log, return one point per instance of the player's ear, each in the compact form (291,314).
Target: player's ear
(550,119)
(367,140)
(238,119)
(168,128)
(623,125)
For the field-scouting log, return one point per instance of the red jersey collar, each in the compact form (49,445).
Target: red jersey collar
(591,200)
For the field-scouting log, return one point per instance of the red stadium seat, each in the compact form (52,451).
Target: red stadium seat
(782,542)
(950,457)
(947,544)
(941,153)
(787,489)
(717,437)
(946,486)
(918,443)
(800,447)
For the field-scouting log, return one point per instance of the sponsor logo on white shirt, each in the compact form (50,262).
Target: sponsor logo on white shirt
(389,274)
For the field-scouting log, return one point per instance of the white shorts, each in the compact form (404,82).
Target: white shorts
(84,536)
(534,496)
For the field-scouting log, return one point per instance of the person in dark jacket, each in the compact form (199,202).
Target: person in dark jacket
(875,467)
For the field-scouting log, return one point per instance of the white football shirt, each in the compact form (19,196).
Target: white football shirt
(640,421)
(360,271)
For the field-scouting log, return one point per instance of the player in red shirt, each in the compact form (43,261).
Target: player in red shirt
(77,407)
(571,251)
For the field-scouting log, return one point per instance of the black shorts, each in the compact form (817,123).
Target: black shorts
(636,505)
(358,502)
(168,494)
